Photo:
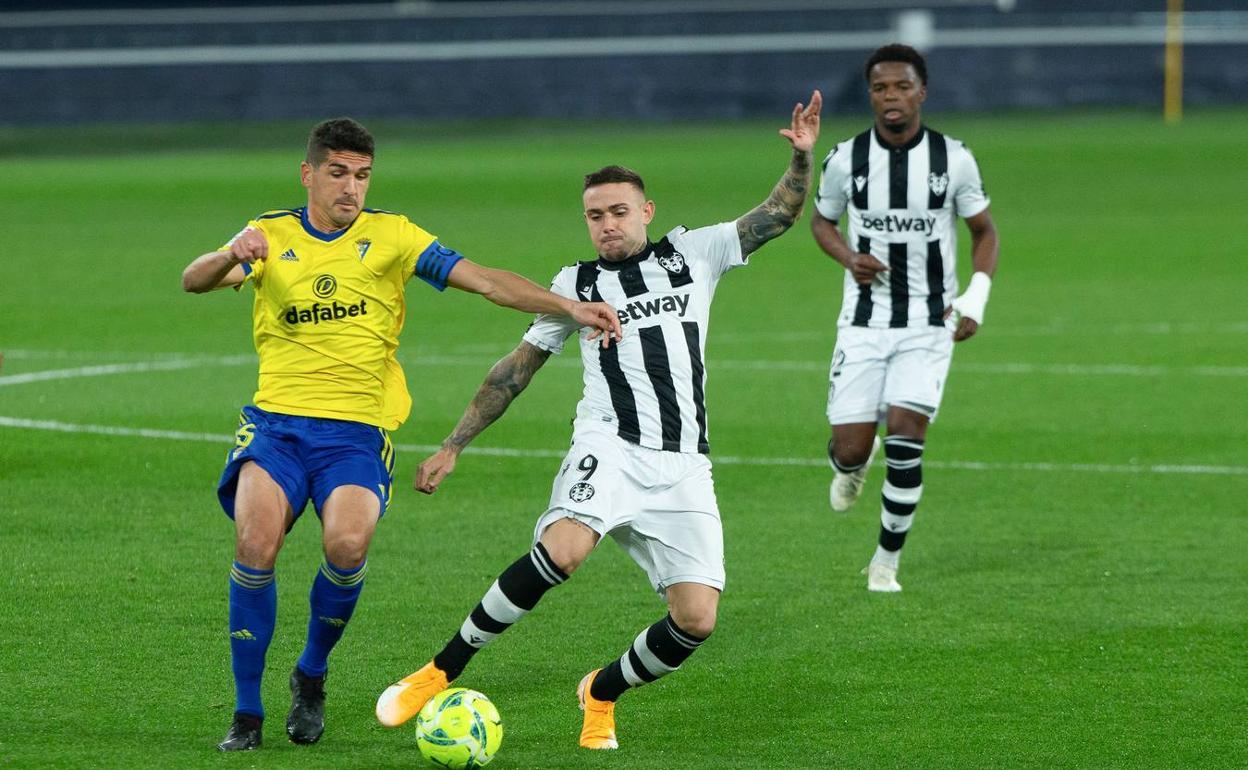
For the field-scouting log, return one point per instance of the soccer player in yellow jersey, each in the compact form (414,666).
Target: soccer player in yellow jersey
(330,282)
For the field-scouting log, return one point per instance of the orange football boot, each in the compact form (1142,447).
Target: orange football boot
(598,729)
(403,700)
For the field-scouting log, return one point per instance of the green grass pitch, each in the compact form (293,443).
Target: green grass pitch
(1074,583)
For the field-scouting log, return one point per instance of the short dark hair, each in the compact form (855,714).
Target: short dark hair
(612,175)
(898,53)
(338,135)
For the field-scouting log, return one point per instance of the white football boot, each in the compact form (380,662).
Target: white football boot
(882,578)
(847,487)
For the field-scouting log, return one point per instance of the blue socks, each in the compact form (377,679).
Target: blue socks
(334,594)
(253,613)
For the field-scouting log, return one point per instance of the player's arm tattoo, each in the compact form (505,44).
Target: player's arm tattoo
(781,209)
(504,382)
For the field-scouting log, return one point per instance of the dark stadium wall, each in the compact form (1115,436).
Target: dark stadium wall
(693,60)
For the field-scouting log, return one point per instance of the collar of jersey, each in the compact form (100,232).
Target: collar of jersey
(319,235)
(910,145)
(636,259)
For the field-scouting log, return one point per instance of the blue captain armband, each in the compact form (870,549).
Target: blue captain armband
(434,264)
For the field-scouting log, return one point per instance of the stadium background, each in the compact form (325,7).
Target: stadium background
(1075,584)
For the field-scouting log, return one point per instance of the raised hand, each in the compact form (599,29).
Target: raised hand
(803,132)
(249,245)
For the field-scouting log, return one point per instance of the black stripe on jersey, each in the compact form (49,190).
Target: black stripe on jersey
(664,251)
(938,166)
(935,284)
(659,369)
(899,178)
(631,281)
(898,284)
(693,339)
(862,311)
(622,400)
(587,282)
(860,168)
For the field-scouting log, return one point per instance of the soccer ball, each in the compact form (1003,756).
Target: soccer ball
(459,729)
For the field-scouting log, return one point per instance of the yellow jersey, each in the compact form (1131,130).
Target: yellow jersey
(328,311)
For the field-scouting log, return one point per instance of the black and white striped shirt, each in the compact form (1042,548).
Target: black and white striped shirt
(652,384)
(903,204)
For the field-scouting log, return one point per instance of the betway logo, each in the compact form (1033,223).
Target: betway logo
(891,223)
(318,313)
(636,311)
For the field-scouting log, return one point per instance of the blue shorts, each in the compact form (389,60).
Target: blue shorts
(309,457)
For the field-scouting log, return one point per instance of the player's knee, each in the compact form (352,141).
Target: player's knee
(848,453)
(566,558)
(347,551)
(257,550)
(907,423)
(698,622)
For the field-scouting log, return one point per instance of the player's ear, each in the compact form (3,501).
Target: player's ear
(305,173)
(647,212)
(922,94)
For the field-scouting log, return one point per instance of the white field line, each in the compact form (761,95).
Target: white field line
(483,361)
(161,365)
(1155,328)
(803,462)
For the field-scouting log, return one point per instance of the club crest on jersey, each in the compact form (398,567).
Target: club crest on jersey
(362,246)
(581,491)
(938,183)
(673,262)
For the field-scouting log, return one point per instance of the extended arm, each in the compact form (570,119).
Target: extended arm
(217,269)
(985,250)
(506,380)
(510,290)
(782,208)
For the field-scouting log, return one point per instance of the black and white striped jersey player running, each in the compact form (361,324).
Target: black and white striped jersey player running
(901,187)
(637,469)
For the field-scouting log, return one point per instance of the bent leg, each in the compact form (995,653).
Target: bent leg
(851,445)
(512,596)
(563,547)
(661,648)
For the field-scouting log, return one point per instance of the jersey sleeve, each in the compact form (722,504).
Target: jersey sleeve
(252,270)
(719,246)
(969,199)
(833,194)
(549,332)
(424,256)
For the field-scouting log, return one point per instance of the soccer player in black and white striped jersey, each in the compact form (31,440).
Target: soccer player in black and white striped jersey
(637,469)
(901,186)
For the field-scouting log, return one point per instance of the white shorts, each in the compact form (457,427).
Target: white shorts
(873,369)
(659,506)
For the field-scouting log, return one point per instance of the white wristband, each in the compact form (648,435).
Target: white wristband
(972,302)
